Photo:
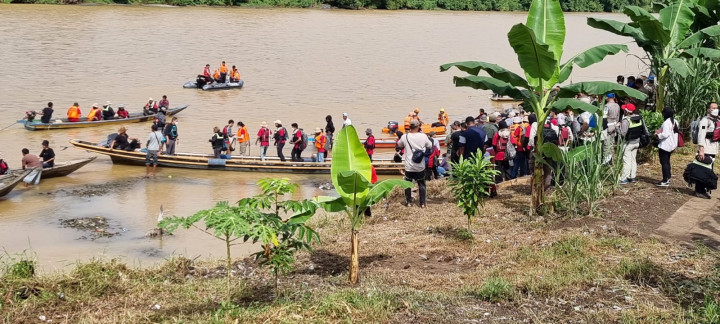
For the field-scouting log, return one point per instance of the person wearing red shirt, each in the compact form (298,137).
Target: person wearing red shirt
(499,143)
(369,143)
(263,137)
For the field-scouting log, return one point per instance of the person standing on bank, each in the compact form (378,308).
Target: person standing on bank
(280,137)
(171,134)
(632,128)
(329,131)
(243,138)
(346,120)
(297,143)
(154,144)
(415,144)
(320,144)
(47,154)
(668,136)
(369,143)
(706,145)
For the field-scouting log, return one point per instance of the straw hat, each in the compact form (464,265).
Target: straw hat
(263,124)
(277,121)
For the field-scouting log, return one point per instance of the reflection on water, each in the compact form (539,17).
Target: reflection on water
(298,66)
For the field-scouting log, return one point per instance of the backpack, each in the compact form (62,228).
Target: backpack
(304,141)
(716,132)
(549,134)
(518,138)
(225,133)
(695,129)
(576,126)
(265,135)
(510,151)
(4,167)
(564,135)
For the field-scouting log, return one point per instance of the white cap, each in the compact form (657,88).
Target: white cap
(278,122)
(345,115)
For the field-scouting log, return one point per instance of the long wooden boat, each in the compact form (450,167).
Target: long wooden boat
(426,128)
(496,97)
(64,168)
(235,163)
(389,142)
(9,181)
(64,123)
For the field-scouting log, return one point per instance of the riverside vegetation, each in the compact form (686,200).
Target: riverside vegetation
(477,5)
(417,267)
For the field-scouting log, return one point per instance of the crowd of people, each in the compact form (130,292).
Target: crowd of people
(106,112)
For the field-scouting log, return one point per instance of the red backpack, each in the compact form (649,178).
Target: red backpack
(716,132)
(564,135)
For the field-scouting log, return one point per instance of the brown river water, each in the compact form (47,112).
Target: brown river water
(298,66)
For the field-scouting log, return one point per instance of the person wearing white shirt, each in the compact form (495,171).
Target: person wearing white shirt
(668,136)
(346,120)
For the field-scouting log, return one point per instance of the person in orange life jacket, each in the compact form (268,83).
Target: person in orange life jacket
(500,141)
(369,143)
(443,119)
(150,108)
(263,138)
(295,154)
(95,114)
(243,137)
(280,137)
(320,143)
(74,113)
(520,163)
(223,72)
(234,74)
(416,115)
(122,113)
(228,135)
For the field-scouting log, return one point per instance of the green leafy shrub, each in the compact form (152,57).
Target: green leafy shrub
(470,181)
(495,289)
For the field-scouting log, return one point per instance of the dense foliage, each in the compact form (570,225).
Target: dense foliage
(476,5)
(471,182)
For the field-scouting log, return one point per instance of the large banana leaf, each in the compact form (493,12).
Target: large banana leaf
(679,66)
(677,18)
(552,151)
(352,182)
(599,88)
(574,104)
(705,52)
(546,20)
(695,38)
(622,29)
(494,70)
(589,57)
(535,58)
(348,154)
(648,24)
(487,83)
(331,204)
(381,189)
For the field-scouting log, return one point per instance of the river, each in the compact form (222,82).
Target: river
(298,65)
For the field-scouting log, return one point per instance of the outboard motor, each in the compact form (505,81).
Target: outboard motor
(30,115)
(392,126)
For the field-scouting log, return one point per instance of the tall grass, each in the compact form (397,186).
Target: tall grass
(689,95)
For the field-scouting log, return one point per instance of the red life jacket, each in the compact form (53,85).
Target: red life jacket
(564,135)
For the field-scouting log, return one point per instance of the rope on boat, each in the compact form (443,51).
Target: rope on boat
(8,126)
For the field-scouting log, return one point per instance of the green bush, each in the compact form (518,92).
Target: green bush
(495,289)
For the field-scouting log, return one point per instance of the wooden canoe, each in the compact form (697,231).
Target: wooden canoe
(502,98)
(235,163)
(426,128)
(9,181)
(64,168)
(65,124)
(389,142)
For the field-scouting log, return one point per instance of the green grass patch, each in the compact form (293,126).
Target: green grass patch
(639,271)
(464,235)
(495,289)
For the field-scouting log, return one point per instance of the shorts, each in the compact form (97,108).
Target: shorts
(151,157)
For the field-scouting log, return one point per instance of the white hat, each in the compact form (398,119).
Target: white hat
(511,113)
(107,103)
(150,98)
(121,106)
(345,115)
(517,120)
(95,105)
(278,122)
(263,124)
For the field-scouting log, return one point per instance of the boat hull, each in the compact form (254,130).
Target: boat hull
(215,86)
(9,181)
(64,168)
(65,124)
(235,163)
(426,128)
(390,142)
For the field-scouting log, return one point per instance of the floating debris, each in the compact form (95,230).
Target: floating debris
(97,227)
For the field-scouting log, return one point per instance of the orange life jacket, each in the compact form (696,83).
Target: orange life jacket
(92,114)
(242,135)
(235,74)
(223,69)
(216,75)
(443,119)
(320,142)
(407,121)
(74,112)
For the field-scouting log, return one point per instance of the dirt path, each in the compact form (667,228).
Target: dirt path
(696,220)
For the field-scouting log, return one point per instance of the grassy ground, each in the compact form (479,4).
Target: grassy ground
(417,266)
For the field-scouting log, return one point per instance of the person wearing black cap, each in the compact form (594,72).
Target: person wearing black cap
(47,155)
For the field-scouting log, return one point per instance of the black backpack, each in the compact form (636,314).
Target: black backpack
(550,135)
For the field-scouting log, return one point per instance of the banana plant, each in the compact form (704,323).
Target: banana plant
(538,45)
(350,171)
(680,31)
